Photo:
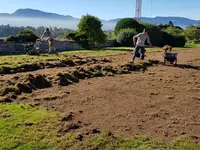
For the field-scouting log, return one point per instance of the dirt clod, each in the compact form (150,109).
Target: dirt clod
(6,100)
(68,118)
(95,131)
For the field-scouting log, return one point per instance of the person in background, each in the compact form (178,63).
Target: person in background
(48,36)
(140,45)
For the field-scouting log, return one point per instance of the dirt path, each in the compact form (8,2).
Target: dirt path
(163,102)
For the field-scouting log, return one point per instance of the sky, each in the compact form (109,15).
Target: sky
(108,9)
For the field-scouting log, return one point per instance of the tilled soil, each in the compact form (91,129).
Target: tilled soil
(163,102)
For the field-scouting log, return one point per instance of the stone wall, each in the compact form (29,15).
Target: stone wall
(108,43)
(15,48)
(10,48)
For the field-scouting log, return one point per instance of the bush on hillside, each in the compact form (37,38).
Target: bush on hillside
(125,37)
(126,23)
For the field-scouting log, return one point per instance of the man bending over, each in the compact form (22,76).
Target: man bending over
(140,45)
(47,34)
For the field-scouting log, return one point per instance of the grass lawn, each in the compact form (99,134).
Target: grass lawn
(192,46)
(14,61)
(27,127)
(24,127)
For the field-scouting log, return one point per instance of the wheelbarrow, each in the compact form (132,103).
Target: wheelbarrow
(171,58)
(33,48)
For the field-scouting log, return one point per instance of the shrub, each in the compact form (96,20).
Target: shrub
(178,41)
(195,41)
(155,34)
(27,36)
(12,38)
(167,39)
(84,44)
(125,37)
(71,35)
(126,23)
(79,37)
(173,40)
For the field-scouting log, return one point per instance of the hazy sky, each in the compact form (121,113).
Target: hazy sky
(108,9)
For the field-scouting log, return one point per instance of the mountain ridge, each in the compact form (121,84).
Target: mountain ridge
(38,14)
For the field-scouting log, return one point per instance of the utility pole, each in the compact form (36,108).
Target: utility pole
(138,10)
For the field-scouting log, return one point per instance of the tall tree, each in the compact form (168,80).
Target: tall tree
(91,27)
(192,32)
(171,24)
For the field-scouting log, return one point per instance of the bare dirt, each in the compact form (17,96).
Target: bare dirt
(163,102)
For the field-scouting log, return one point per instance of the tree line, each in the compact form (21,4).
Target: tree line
(7,30)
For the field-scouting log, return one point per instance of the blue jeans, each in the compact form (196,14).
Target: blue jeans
(139,51)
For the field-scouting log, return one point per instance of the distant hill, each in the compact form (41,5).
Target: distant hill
(32,13)
(178,21)
(32,17)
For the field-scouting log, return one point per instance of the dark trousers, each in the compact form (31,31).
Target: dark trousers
(139,52)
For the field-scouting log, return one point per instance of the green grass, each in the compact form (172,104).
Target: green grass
(29,128)
(93,53)
(26,127)
(192,46)
(14,61)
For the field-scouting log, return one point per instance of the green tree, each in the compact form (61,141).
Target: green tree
(174,31)
(27,36)
(171,24)
(71,35)
(91,27)
(125,37)
(126,23)
(108,35)
(7,30)
(192,32)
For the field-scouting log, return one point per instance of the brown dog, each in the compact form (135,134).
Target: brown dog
(167,48)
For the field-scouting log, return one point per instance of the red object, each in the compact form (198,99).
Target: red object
(138,10)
